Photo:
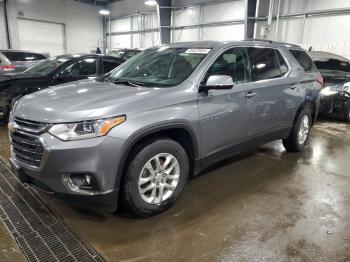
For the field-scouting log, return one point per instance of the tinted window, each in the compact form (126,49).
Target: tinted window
(234,63)
(84,67)
(33,57)
(283,63)
(109,65)
(264,63)
(14,56)
(24,56)
(333,64)
(49,65)
(304,60)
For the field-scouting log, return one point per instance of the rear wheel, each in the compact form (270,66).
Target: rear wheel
(346,116)
(155,177)
(300,132)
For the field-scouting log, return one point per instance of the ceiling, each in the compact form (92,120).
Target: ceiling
(99,2)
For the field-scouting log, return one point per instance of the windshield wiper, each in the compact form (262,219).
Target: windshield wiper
(125,82)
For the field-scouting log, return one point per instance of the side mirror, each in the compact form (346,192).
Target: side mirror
(218,82)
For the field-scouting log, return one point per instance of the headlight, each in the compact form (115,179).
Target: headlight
(329,90)
(84,130)
(347,87)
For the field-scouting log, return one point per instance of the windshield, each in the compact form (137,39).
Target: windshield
(333,64)
(160,67)
(48,66)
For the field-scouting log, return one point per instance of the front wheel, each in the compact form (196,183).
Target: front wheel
(299,135)
(155,177)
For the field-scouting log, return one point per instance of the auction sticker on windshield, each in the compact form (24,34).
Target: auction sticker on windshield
(197,51)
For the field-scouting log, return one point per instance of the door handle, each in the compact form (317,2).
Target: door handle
(250,94)
(293,87)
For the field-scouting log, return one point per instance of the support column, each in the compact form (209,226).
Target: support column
(251,6)
(164,13)
(7,30)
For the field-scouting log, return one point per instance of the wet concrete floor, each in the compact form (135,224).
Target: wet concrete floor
(266,205)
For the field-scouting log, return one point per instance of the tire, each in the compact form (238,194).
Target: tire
(149,203)
(296,141)
(346,116)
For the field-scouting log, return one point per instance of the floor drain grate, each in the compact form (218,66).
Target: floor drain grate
(38,231)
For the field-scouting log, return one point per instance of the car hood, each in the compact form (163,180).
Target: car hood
(84,100)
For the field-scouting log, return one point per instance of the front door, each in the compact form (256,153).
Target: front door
(227,116)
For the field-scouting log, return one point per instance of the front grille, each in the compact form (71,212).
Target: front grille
(27,148)
(29,125)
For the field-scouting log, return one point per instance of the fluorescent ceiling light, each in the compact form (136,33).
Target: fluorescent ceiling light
(104,12)
(150,2)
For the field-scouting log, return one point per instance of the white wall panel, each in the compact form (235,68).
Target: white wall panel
(187,16)
(184,35)
(33,35)
(128,7)
(223,33)
(226,11)
(324,33)
(121,25)
(209,13)
(83,24)
(119,41)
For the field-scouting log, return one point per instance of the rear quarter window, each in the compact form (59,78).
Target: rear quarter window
(304,60)
(14,56)
(264,63)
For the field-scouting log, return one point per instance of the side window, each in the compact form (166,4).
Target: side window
(15,56)
(33,57)
(233,62)
(283,64)
(264,63)
(109,65)
(83,67)
(304,60)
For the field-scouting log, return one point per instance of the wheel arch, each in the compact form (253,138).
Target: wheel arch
(180,132)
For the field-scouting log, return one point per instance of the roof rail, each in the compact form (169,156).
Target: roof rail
(271,41)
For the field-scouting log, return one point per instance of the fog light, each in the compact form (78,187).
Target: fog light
(80,183)
(88,180)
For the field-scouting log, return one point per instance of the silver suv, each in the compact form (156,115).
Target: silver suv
(137,134)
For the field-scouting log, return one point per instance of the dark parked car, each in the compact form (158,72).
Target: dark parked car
(50,72)
(21,60)
(137,134)
(335,96)
(124,53)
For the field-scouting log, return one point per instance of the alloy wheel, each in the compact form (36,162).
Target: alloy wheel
(159,178)
(303,129)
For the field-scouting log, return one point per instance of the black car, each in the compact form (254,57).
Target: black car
(50,72)
(335,96)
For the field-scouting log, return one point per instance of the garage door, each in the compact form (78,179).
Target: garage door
(43,36)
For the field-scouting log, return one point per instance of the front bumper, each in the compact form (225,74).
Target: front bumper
(334,105)
(98,157)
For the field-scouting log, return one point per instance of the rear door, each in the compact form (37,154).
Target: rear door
(275,101)
(309,79)
(227,116)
